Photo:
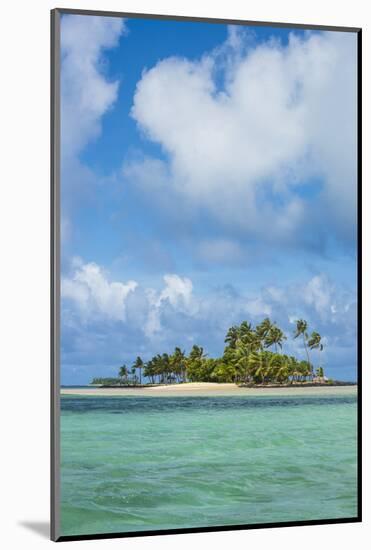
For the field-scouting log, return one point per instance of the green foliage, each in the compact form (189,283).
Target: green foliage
(274,337)
(247,359)
(311,342)
(314,341)
(301,328)
(178,364)
(197,370)
(138,365)
(123,373)
(106,381)
(223,372)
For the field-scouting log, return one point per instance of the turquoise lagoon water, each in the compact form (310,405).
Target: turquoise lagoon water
(145,463)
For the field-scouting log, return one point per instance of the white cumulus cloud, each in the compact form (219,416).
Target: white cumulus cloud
(177,293)
(246,148)
(86,93)
(93,294)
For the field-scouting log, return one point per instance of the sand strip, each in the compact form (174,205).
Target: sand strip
(210,389)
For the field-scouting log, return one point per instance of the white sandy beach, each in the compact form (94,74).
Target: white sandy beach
(210,389)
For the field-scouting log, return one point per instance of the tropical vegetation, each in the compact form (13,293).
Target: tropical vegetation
(252,356)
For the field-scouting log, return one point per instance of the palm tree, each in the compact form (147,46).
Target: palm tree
(245,330)
(223,372)
(178,364)
(248,342)
(315,342)
(139,365)
(195,364)
(250,339)
(294,369)
(157,367)
(150,370)
(241,359)
(275,336)
(165,366)
(263,329)
(123,373)
(197,352)
(283,370)
(301,330)
(232,336)
(257,364)
(272,365)
(304,369)
(134,377)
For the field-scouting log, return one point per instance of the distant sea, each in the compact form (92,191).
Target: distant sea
(152,463)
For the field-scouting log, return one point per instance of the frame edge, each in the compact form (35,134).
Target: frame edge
(54,271)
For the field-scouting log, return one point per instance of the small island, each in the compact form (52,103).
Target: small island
(247,361)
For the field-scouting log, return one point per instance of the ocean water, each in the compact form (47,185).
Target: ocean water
(145,463)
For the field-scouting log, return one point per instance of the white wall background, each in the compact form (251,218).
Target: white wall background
(24,272)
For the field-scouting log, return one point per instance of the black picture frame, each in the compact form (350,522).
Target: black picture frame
(55,275)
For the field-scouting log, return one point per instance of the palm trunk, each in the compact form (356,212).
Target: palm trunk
(306,351)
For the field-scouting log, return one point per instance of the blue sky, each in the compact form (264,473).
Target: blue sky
(208,176)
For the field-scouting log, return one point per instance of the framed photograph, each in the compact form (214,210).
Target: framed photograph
(206,282)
